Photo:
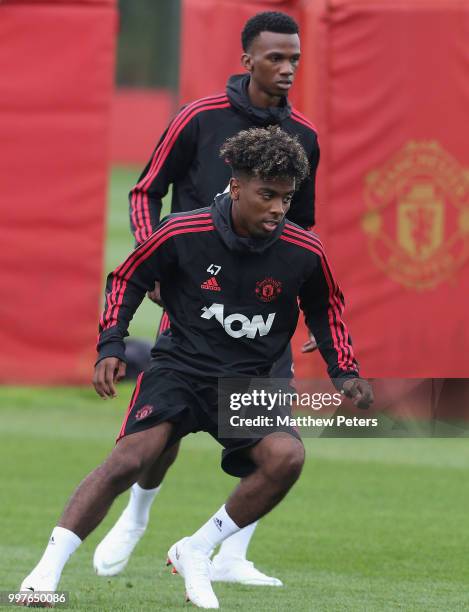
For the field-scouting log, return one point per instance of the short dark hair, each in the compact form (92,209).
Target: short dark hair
(269,21)
(267,153)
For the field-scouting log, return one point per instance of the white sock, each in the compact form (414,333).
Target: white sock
(138,509)
(236,546)
(219,527)
(62,544)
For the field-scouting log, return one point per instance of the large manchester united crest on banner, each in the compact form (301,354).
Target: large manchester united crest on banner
(417,218)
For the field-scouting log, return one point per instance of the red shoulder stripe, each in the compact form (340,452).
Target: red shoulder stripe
(138,251)
(165,152)
(301,233)
(339,331)
(164,323)
(141,249)
(136,256)
(300,118)
(181,117)
(125,271)
(139,197)
(195,219)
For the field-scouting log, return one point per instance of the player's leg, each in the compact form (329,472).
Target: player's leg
(93,498)
(230,563)
(114,551)
(277,460)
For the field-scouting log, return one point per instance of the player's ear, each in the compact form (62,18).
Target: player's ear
(246,61)
(234,188)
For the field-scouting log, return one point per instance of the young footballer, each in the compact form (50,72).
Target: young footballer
(187,157)
(213,265)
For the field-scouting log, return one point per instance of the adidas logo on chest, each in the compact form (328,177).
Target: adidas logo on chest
(211,284)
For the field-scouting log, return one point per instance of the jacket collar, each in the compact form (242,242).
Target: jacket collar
(237,92)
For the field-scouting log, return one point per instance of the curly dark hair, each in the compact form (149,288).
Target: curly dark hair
(267,153)
(269,21)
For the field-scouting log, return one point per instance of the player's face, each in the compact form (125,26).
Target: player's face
(272,61)
(259,206)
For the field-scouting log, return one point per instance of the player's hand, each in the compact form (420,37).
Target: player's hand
(359,391)
(311,345)
(155,295)
(107,373)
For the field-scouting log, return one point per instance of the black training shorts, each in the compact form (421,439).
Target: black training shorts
(191,404)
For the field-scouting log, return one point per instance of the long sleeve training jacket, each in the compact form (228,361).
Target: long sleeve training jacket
(187,156)
(232,301)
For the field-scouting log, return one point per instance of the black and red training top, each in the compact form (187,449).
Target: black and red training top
(233,302)
(187,156)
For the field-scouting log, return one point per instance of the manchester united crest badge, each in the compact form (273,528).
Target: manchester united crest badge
(144,412)
(417,219)
(268,289)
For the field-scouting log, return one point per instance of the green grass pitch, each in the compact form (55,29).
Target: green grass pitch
(372,525)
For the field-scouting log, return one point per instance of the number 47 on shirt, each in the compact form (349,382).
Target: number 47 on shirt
(214,269)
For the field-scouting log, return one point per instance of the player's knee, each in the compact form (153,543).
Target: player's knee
(293,460)
(287,460)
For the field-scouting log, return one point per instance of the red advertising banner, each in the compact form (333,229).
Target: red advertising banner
(139,117)
(57,67)
(395,206)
